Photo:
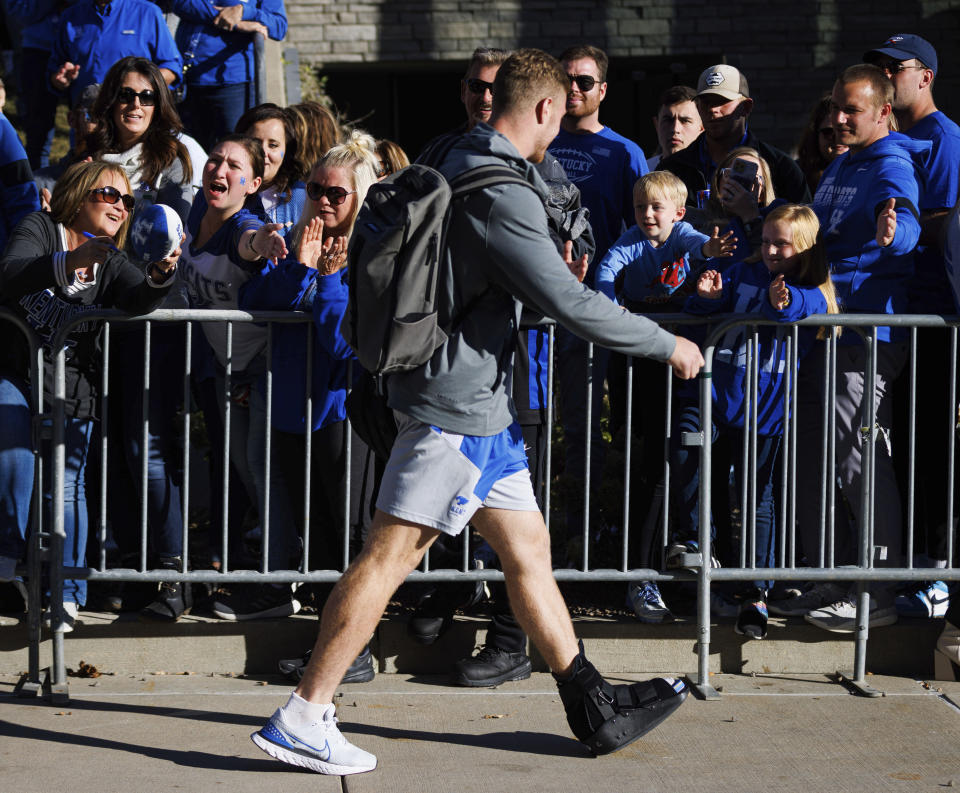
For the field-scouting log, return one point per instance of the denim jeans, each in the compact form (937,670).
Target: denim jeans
(76,453)
(211,111)
(164,455)
(16,465)
(685,495)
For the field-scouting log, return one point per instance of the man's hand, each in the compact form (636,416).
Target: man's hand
(63,77)
(578,267)
(719,246)
(779,293)
(710,285)
(887,223)
(686,360)
(249,26)
(229,16)
(45,199)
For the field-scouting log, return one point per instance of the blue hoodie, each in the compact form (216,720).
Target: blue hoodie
(18,193)
(870,279)
(291,286)
(212,56)
(745,291)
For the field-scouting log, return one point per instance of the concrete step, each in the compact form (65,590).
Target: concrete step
(201,645)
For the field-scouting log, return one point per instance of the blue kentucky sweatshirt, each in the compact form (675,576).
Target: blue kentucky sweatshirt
(855,186)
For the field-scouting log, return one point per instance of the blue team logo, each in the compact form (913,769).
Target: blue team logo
(578,165)
(458,505)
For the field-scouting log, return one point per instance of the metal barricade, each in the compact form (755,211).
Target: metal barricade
(37,537)
(787,569)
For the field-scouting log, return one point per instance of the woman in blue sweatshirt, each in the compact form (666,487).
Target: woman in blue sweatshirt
(789,283)
(312,279)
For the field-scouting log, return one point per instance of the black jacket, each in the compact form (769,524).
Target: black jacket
(29,287)
(687,164)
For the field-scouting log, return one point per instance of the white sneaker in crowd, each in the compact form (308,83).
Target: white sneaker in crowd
(841,616)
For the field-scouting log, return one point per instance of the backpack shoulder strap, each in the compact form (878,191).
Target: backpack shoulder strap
(482,177)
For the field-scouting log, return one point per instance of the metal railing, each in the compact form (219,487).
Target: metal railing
(788,559)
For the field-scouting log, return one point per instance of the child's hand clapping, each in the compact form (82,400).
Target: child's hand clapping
(710,285)
(779,293)
(719,246)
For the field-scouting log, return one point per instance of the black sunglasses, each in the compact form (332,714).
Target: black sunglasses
(147,97)
(335,195)
(478,86)
(110,195)
(584,81)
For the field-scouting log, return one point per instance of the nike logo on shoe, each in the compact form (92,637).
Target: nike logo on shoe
(273,733)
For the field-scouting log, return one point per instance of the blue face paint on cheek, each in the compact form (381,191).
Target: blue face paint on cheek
(281,155)
(243,180)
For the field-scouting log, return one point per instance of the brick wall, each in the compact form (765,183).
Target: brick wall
(790,50)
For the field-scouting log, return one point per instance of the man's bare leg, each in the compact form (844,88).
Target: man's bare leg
(603,716)
(304,731)
(522,542)
(392,550)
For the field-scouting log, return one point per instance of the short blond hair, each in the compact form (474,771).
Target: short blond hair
(525,78)
(664,184)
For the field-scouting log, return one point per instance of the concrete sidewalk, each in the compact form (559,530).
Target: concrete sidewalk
(768,733)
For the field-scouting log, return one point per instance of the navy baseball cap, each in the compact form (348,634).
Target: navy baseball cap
(903,47)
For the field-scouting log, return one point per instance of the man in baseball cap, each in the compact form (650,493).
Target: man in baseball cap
(910,64)
(724,103)
(904,47)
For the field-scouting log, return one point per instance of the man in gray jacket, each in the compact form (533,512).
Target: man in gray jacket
(459,457)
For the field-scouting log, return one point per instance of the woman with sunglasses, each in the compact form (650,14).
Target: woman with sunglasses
(818,145)
(137,127)
(226,245)
(311,280)
(57,266)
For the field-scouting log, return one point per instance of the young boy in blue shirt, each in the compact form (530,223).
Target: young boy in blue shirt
(652,260)
(643,270)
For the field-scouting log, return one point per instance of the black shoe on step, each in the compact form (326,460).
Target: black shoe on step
(491,667)
(360,671)
(434,613)
(173,600)
(606,717)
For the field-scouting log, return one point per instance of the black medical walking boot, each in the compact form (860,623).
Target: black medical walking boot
(607,717)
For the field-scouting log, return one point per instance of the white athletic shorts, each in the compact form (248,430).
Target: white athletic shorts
(440,479)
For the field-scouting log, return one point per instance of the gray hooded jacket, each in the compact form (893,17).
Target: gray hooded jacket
(500,256)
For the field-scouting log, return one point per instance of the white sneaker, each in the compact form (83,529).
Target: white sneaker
(70,613)
(817,596)
(841,616)
(320,747)
(647,603)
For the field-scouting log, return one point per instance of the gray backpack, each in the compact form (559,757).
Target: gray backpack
(395,265)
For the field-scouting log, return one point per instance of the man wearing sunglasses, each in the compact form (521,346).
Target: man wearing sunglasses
(94,34)
(724,102)
(604,166)
(910,63)
(459,457)
(503,656)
